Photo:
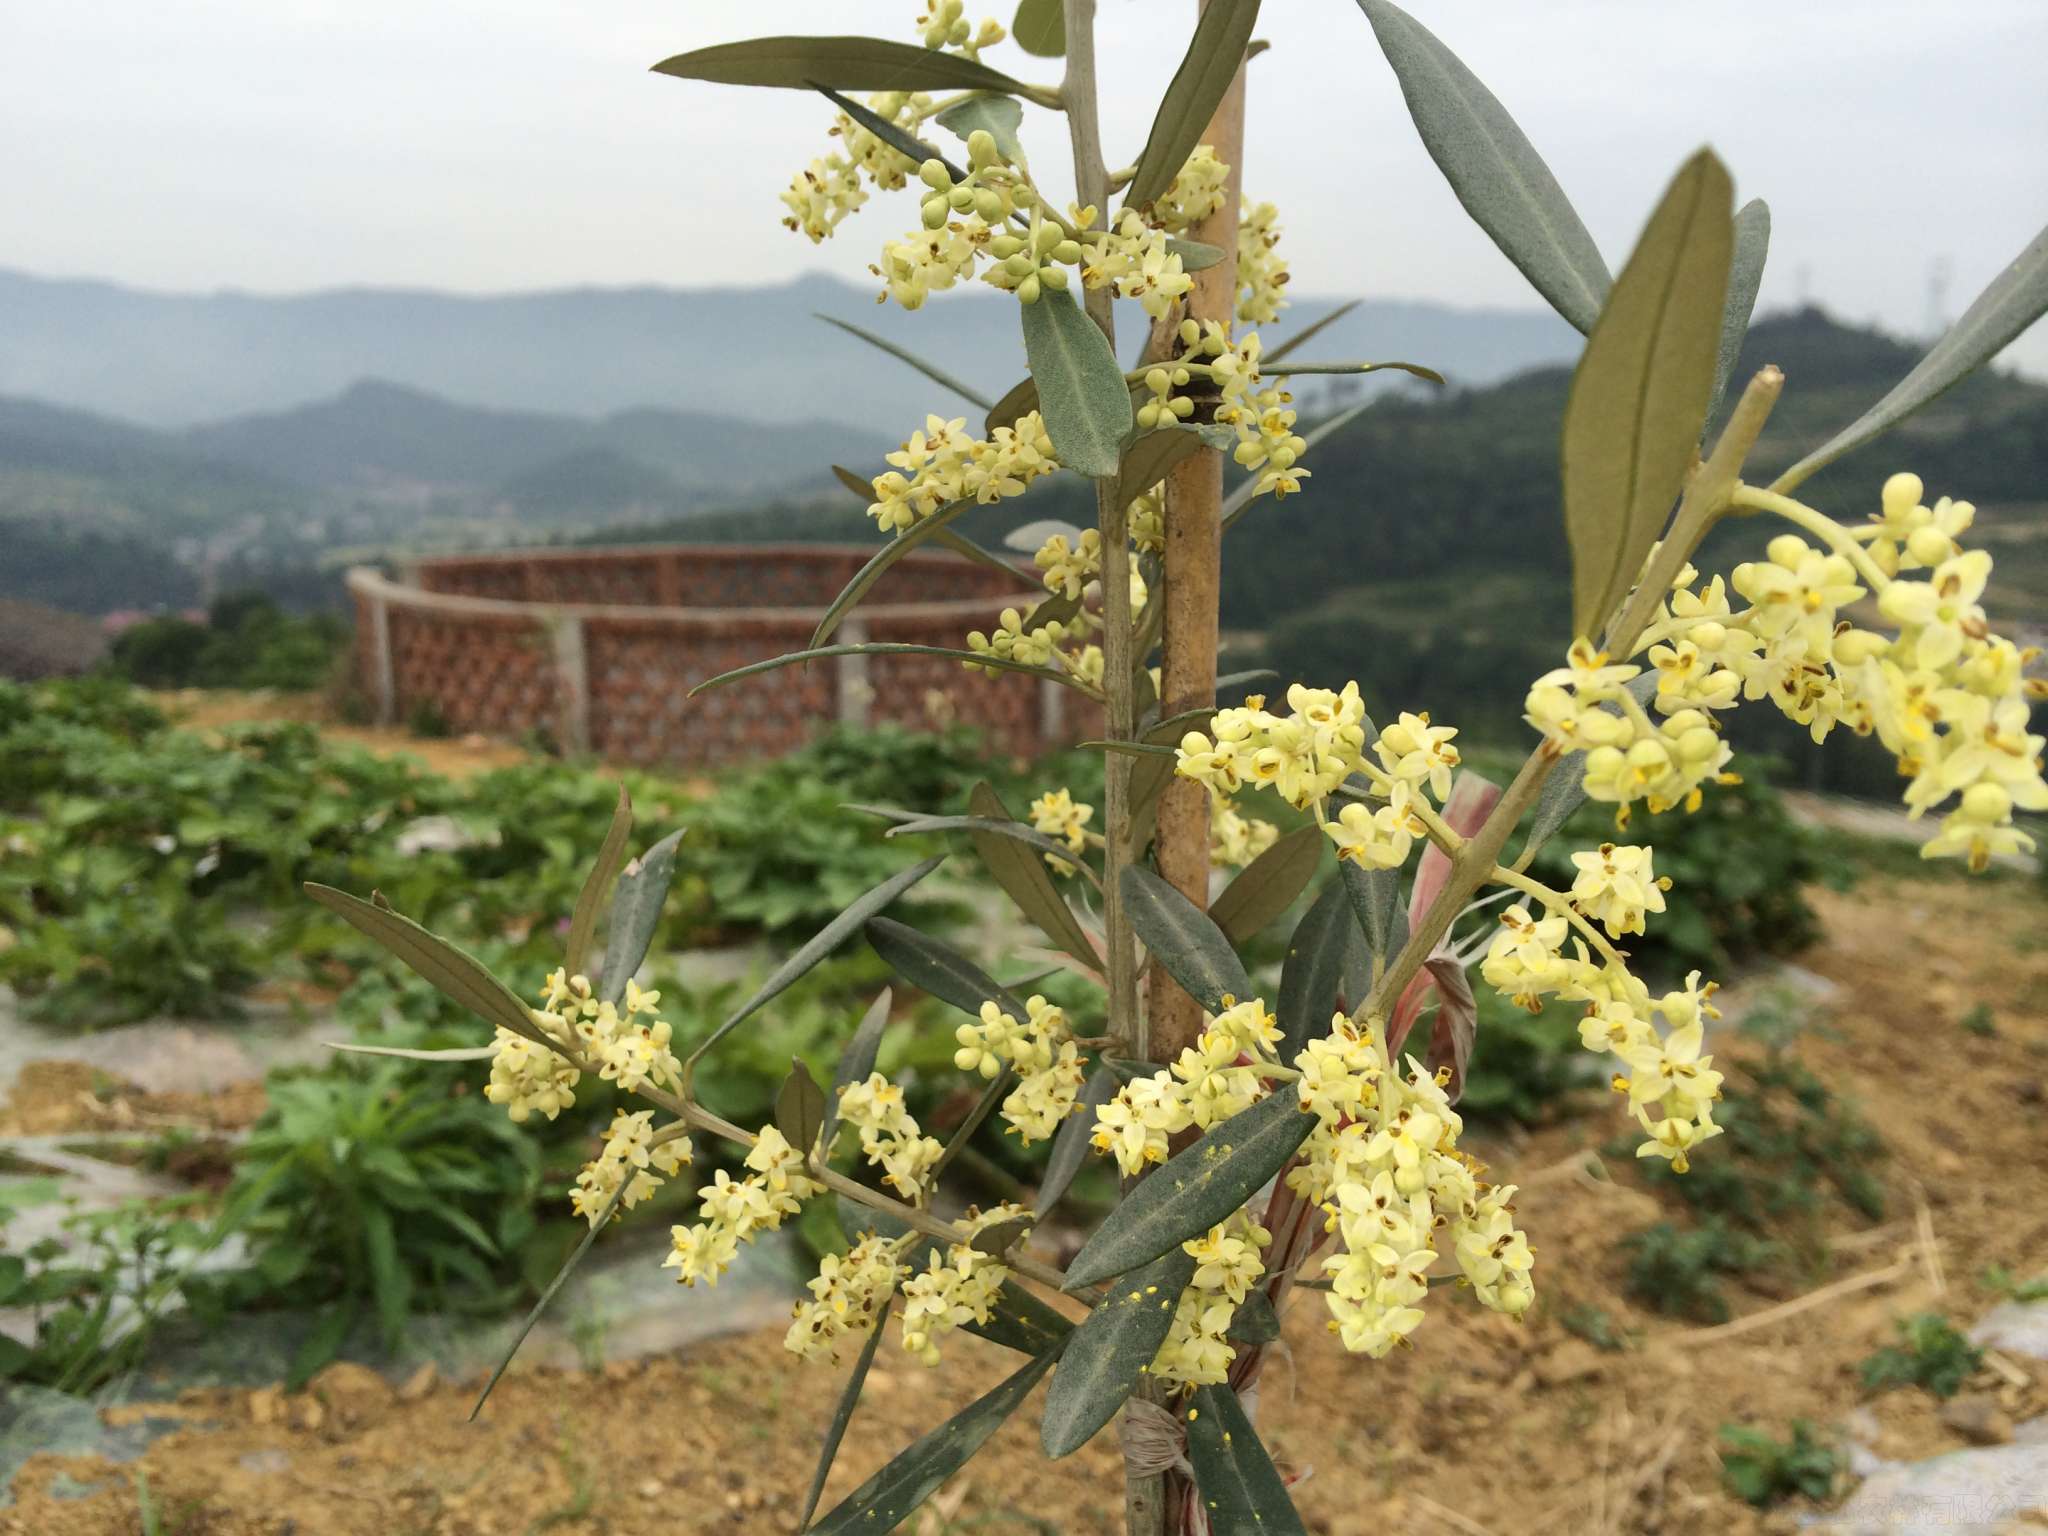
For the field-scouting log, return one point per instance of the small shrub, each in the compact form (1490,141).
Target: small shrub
(1591,1323)
(1933,1354)
(1762,1470)
(1979,1022)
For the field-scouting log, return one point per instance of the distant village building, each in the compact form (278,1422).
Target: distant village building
(40,641)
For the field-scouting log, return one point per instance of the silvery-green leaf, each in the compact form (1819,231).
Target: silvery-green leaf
(857,1061)
(998,116)
(1110,1351)
(1018,401)
(932,371)
(603,870)
(878,566)
(1267,886)
(891,648)
(1376,899)
(827,939)
(404,1053)
(1241,1492)
(1070,1142)
(885,1500)
(1639,395)
(457,974)
(1150,455)
(800,1108)
(845,63)
(938,968)
(547,1296)
(849,1399)
(1081,390)
(2017,297)
(1194,1189)
(1184,939)
(1492,167)
(1000,827)
(1040,28)
(1021,872)
(967,549)
(1326,960)
(1745,277)
(1194,255)
(1255,1321)
(904,142)
(1215,53)
(637,901)
(1309,332)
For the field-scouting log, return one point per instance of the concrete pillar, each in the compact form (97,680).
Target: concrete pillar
(385,680)
(1052,714)
(572,667)
(856,693)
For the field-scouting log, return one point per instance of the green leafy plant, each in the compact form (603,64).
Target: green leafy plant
(1932,1354)
(1763,1470)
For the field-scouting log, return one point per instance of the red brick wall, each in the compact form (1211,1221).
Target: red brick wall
(655,622)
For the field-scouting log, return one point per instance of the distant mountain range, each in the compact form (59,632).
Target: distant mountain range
(181,360)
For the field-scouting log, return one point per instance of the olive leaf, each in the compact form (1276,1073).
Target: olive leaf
(1184,939)
(938,968)
(637,901)
(1745,277)
(1149,457)
(1081,390)
(1309,332)
(1215,53)
(1000,827)
(1327,959)
(1376,899)
(610,855)
(1018,401)
(1492,167)
(1195,256)
(997,116)
(1267,886)
(1022,874)
(1564,790)
(932,371)
(1040,27)
(1070,1143)
(858,1059)
(800,1108)
(882,1502)
(1241,1490)
(456,973)
(892,648)
(1239,500)
(847,63)
(879,563)
(827,939)
(1110,1351)
(967,549)
(862,489)
(1154,771)
(1638,398)
(849,1399)
(2017,297)
(1255,1321)
(1194,1189)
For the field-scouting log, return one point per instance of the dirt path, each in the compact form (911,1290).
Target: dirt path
(1485,1427)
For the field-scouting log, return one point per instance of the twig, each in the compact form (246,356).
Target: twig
(1799,1304)
(1930,1249)
(1449,1516)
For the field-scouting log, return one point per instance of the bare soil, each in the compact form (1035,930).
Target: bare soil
(1484,1427)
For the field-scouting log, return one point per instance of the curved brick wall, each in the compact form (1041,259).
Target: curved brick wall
(602,646)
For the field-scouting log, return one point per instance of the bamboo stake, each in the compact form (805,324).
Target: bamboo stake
(1194,583)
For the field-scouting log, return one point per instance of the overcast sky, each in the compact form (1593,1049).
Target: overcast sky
(493,145)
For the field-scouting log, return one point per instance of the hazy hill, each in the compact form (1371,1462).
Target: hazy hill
(176,360)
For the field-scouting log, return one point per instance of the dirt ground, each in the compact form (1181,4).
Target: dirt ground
(458,757)
(1485,1427)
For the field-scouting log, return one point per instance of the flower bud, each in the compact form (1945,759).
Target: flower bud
(1181,406)
(1067,251)
(1157,381)
(988,203)
(981,149)
(1986,804)
(1929,545)
(933,173)
(933,212)
(1053,277)
(1902,493)
(1028,290)
(1003,247)
(1853,647)
(961,198)
(1785,550)
(1020,264)
(1190,333)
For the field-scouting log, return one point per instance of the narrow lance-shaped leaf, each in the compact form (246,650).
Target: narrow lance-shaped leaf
(1215,54)
(1194,1189)
(1255,1321)
(1326,961)
(1195,256)
(904,142)
(847,63)
(1309,332)
(1110,1351)
(547,1296)
(879,564)
(1745,277)
(1070,1143)
(828,938)
(938,968)
(849,1399)
(637,901)
(1040,27)
(1564,791)
(458,975)
(404,1053)
(2017,297)
(1492,167)
(997,116)
(1018,401)
(858,1059)
(1239,500)
(967,549)
(1022,874)
(885,1500)
(1081,390)
(863,491)
(610,855)
(1639,395)
(800,1108)
(1267,886)
(1069,861)
(890,648)
(1184,939)
(1149,457)
(932,371)
(1375,896)
(1241,1491)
